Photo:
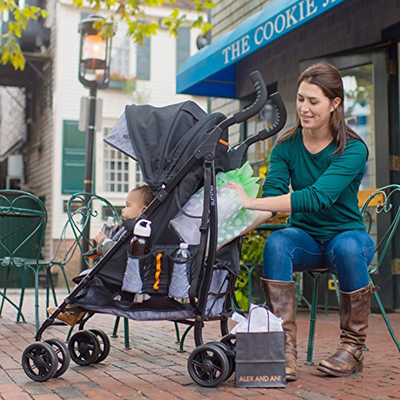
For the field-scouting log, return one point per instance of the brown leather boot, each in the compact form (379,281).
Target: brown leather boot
(354,310)
(280,299)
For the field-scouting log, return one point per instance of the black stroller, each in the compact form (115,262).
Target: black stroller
(179,149)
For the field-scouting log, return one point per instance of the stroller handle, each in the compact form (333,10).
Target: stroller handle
(261,98)
(237,155)
(281,115)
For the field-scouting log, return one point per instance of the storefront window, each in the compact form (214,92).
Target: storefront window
(359,112)
(360,116)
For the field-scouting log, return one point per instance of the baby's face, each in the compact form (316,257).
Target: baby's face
(133,205)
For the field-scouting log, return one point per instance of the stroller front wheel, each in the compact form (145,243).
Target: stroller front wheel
(39,361)
(62,354)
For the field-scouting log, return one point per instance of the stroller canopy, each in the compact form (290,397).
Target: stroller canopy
(161,139)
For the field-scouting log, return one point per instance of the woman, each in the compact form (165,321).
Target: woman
(324,161)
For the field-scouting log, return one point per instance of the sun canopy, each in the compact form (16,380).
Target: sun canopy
(212,71)
(161,139)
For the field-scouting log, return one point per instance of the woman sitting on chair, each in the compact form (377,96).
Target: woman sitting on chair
(324,161)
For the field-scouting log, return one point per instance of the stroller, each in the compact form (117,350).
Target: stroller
(179,149)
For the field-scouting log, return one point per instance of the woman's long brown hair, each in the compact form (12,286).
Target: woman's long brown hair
(329,80)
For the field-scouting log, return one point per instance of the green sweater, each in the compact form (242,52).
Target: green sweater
(324,198)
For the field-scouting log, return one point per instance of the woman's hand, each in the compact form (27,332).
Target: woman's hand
(247,200)
(274,204)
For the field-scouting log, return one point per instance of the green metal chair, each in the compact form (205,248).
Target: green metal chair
(383,201)
(23,219)
(382,247)
(63,254)
(82,209)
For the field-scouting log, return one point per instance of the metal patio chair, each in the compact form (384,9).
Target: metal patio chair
(64,252)
(23,219)
(81,210)
(383,202)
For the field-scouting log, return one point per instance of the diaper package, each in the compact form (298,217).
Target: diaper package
(233,219)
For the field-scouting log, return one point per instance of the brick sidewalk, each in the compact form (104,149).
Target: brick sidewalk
(153,369)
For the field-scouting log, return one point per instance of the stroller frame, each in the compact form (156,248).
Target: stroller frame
(205,153)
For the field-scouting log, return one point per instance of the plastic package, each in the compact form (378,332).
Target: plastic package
(138,248)
(232,218)
(180,281)
(139,243)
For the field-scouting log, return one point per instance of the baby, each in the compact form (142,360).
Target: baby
(137,201)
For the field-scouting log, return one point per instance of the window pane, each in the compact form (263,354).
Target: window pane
(182,46)
(113,179)
(138,175)
(120,58)
(360,116)
(143,60)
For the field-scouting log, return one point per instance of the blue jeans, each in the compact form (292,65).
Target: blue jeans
(293,250)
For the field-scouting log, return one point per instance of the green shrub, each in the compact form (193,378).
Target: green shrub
(252,253)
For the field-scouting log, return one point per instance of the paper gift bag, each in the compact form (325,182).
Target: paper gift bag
(260,359)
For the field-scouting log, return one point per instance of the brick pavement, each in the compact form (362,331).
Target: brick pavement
(153,369)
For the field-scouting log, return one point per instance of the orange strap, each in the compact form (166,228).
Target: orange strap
(156,285)
(223,142)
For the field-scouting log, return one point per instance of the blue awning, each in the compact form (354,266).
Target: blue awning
(212,71)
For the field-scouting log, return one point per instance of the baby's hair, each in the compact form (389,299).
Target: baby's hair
(147,195)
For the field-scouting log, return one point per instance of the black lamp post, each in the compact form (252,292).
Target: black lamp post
(94,73)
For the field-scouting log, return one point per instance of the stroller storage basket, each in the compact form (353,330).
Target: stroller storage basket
(152,273)
(217,293)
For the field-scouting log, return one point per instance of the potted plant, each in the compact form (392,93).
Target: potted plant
(121,82)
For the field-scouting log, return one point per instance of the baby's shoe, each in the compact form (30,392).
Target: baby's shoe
(182,300)
(69,317)
(141,297)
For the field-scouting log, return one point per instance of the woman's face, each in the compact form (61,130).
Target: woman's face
(313,107)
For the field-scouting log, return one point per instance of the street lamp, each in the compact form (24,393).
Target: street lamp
(94,73)
(94,55)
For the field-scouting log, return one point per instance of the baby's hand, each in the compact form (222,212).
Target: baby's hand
(99,236)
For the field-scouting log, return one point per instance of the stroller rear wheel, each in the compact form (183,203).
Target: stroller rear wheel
(84,348)
(62,354)
(39,361)
(208,365)
(105,345)
(229,340)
